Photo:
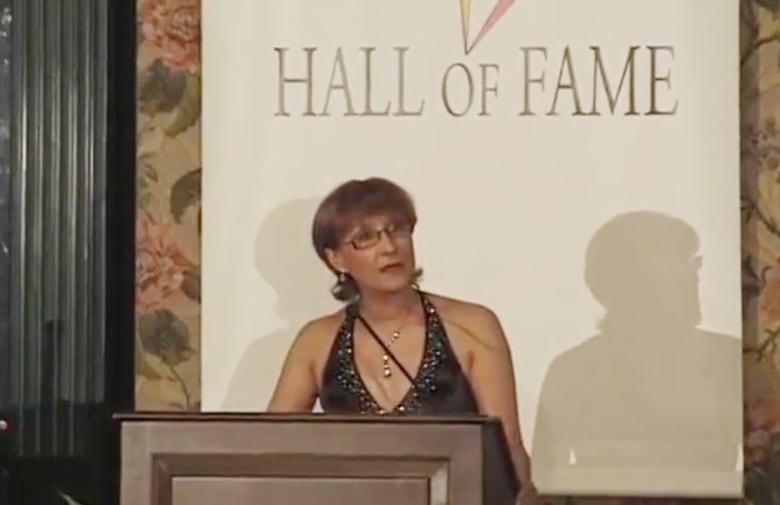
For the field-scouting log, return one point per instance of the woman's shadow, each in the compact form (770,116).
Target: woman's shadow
(285,258)
(650,391)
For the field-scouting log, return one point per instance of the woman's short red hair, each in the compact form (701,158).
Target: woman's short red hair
(352,201)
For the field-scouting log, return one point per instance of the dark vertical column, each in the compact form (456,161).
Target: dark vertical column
(120,226)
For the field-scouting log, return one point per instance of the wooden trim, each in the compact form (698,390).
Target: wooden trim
(299,418)
(167,467)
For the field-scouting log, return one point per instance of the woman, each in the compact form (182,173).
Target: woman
(395,349)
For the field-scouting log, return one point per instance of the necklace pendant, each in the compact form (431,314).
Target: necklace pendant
(386,366)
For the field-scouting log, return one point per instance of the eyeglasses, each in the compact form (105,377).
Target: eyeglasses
(364,239)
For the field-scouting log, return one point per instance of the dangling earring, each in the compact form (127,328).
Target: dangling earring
(342,277)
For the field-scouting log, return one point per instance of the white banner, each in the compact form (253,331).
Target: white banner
(575,166)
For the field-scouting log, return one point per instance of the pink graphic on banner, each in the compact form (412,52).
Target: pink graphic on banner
(501,7)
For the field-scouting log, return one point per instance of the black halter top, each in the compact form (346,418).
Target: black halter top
(440,386)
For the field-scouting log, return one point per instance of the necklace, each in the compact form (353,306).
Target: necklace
(387,372)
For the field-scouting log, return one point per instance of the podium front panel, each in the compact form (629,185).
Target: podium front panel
(292,462)
(281,491)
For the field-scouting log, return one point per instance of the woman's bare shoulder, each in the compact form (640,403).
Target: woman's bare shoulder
(319,332)
(462,310)
(468,319)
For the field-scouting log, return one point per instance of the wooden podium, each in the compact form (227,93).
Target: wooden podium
(271,459)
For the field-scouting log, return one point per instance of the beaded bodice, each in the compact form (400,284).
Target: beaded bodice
(440,386)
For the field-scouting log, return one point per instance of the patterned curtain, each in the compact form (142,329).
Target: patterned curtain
(5,169)
(5,155)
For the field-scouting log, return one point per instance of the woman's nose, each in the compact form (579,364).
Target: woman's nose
(386,241)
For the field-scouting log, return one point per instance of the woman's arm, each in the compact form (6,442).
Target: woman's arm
(296,390)
(493,381)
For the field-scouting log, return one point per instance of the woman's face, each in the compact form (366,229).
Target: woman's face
(377,251)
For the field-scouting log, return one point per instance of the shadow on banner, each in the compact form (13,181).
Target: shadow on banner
(651,393)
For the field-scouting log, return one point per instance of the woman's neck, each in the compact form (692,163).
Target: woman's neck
(380,307)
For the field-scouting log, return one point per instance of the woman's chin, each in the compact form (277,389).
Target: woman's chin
(393,284)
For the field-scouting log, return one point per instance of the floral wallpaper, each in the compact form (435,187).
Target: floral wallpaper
(168,226)
(760,195)
(167,359)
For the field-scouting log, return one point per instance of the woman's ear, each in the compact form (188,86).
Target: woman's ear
(335,260)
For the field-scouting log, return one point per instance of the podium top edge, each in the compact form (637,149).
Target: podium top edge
(260,417)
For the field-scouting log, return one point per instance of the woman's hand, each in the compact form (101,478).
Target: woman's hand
(493,382)
(529,496)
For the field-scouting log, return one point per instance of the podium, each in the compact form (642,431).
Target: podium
(314,459)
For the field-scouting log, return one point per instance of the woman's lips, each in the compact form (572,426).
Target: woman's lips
(391,267)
